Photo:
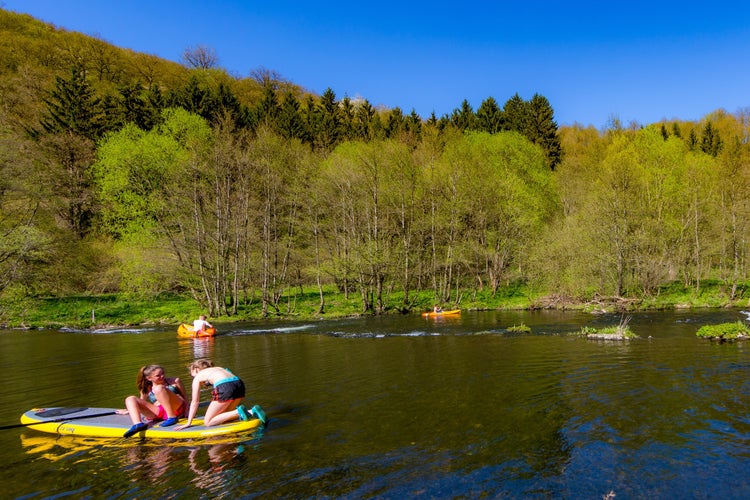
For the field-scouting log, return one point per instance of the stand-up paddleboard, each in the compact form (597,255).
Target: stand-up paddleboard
(187,331)
(106,423)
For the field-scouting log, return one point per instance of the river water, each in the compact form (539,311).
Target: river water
(402,406)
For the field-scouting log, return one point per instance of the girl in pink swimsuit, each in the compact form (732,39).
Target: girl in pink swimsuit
(160,398)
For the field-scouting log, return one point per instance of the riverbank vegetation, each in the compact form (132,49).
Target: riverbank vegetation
(724,331)
(134,183)
(618,332)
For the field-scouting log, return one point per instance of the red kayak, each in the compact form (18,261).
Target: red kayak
(187,331)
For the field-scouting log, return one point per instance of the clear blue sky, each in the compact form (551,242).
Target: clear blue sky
(635,60)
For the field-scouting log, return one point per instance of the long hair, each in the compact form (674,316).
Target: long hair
(144,385)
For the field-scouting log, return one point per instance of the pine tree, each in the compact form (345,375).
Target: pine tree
(395,123)
(490,116)
(73,107)
(347,119)
(664,132)
(267,110)
(710,140)
(515,114)
(676,129)
(329,130)
(413,124)
(290,123)
(541,129)
(464,118)
(364,121)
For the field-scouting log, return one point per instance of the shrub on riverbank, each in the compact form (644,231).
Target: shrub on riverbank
(724,331)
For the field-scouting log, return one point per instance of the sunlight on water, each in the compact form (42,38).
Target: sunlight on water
(403,407)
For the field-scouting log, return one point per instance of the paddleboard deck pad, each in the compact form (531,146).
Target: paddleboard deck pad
(105,423)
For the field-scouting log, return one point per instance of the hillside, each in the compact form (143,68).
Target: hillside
(34,53)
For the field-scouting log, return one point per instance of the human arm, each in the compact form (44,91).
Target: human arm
(194,403)
(177,383)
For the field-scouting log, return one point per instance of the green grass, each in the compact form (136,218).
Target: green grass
(17,310)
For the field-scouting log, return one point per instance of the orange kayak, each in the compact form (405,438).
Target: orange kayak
(433,314)
(185,330)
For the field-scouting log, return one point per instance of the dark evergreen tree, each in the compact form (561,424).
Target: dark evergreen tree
(432,121)
(710,140)
(664,132)
(73,122)
(136,106)
(364,121)
(73,107)
(289,122)
(347,112)
(156,102)
(413,125)
(227,103)
(310,117)
(515,114)
(490,116)
(541,129)
(395,123)
(464,118)
(329,127)
(267,110)
(676,129)
(193,97)
(692,141)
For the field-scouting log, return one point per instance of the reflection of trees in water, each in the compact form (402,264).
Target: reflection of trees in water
(195,348)
(149,464)
(215,467)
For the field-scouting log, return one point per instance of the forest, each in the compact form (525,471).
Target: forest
(125,173)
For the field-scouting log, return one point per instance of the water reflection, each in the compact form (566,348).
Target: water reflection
(191,349)
(148,463)
(401,407)
(213,465)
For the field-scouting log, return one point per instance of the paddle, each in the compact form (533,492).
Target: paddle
(61,419)
(71,410)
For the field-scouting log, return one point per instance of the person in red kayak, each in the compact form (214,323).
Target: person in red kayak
(200,325)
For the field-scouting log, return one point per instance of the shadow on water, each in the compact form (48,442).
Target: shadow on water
(404,406)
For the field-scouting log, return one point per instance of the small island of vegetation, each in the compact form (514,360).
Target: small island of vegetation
(618,332)
(724,331)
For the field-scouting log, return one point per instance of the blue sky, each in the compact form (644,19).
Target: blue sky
(636,61)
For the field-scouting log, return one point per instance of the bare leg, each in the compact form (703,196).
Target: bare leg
(219,412)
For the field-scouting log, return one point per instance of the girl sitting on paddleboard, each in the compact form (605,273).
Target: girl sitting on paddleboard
(160,398)
(228,391)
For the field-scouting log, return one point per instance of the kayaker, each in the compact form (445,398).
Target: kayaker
(200,325)
(228,390)
(437,309)
(160,398)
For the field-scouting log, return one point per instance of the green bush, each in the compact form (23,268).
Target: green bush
(724,331)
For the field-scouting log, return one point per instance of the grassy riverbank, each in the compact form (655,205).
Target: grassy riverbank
(172,309)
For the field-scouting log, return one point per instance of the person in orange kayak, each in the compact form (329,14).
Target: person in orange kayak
(437,309)
(160,398)
(228,390)
(200,325)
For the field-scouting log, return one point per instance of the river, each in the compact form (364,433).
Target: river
(402,406)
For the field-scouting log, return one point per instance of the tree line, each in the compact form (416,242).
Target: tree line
(238,191)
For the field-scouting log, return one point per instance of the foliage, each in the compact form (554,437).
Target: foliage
(724,331)
(519,328)
(126,173)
